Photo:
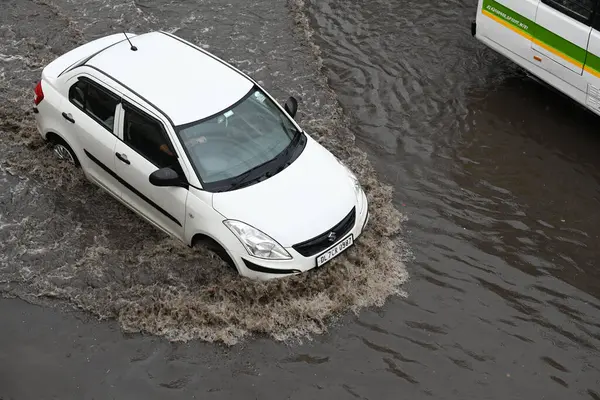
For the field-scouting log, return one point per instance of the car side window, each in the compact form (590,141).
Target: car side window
(581,10)
(147,136)
(77,94)
(95,102)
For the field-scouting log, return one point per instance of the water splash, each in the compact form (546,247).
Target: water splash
(63,239)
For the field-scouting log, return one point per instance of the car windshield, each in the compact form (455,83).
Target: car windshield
(238,140)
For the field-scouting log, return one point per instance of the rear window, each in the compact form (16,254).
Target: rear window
(95,102)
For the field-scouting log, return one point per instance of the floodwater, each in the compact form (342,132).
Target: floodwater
(476,280)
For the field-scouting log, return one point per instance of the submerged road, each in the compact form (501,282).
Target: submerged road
(492,292)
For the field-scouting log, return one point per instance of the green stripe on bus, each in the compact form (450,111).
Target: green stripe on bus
(564,46)
(515,19)
(593,62)
(542,34)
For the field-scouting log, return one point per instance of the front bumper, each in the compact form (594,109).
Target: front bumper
(261,269)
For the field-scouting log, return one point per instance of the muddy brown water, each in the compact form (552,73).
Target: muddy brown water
(478,278)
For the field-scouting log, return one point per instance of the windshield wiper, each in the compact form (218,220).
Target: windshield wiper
(285,154)
(291,147)
(241,180)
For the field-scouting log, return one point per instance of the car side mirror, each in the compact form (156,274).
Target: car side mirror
(291,107)
(166,177)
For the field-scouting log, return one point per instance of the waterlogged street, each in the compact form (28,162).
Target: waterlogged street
(478,276)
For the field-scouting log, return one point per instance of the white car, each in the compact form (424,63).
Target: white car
(201,151)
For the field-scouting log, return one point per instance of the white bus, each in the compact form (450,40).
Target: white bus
(558,41)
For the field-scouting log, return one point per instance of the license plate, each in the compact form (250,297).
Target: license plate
(335,250)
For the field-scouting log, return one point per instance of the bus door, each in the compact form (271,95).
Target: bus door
(561,35)
(591,70)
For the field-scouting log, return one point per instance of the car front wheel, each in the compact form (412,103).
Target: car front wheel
(216,248)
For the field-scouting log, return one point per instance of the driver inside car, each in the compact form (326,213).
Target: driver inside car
(164,148)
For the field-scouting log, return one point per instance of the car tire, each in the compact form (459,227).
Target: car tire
(62,150)
(216,248)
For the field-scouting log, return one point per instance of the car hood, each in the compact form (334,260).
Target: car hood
(307,198)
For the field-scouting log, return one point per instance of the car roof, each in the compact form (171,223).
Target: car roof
(183,82)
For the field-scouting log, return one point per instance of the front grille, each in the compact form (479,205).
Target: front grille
(321,242)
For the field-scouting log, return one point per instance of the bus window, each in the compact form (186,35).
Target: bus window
(580,10)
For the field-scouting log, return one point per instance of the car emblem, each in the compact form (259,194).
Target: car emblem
(331,236)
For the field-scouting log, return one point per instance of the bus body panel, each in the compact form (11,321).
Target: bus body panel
(539,72)
(520,31)
(591,74)
(564,41)
(508,23)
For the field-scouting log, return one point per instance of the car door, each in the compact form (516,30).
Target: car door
(561,36)
(90,112)
(144,148)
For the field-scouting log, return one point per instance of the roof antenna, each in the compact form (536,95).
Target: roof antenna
(132,46)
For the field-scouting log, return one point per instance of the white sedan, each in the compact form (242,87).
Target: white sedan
(201,151)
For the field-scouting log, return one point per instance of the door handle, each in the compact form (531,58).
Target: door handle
(123,157)
(68,117)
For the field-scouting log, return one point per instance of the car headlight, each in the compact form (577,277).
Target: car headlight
(257,243)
